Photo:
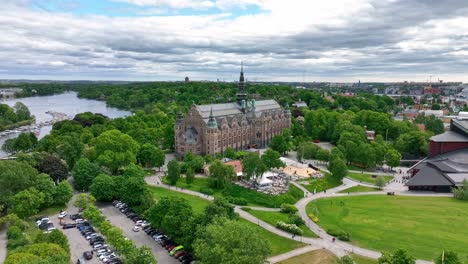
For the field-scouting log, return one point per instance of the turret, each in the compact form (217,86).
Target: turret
(241,94)
(212,120)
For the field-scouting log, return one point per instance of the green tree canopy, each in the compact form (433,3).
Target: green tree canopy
(271,159)
(27,202)
(84,173)
(151,156)
(220,175)
(173,172)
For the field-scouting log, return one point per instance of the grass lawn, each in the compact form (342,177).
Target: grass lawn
(362,260)
(422,225)
(359,188)
(252,197)
(273,217)
(278,244)
(321,184)
(198,204)
(366,177)
(321,256)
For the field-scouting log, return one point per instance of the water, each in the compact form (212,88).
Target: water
(67,103)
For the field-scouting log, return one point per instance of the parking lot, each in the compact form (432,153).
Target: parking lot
(118,219)
(78,244)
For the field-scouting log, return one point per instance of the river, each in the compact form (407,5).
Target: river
(67,103)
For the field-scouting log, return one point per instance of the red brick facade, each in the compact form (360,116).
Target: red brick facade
(437,148)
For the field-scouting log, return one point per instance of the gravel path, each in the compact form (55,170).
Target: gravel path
(3,244)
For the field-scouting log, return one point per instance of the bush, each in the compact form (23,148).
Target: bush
(206,190)
(313,218)
(260,199)
(237,200)
(295,219)
(288,208)
(340,234)
(247,209)
(290,228)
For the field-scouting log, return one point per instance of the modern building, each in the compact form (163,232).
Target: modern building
(447,164)
(211,129)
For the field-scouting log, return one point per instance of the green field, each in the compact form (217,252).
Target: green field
(198,204)
(362,260)
(273,217)
(366,177)
(422,225)
(278,244)
(321,184)
(320,256)
(252,197)
(359,188)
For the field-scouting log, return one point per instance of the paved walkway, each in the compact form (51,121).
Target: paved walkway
(3,245)
(339,248)
(290,254)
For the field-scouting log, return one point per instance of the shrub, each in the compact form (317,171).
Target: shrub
(237,200)
(340,234)
(295,219)
(247,209)
(288,208)
(313,218)
(207,191)
(260,199)
(290,228)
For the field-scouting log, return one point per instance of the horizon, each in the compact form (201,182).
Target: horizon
(340,41)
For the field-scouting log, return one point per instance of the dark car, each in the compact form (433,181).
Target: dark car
(180,254)
(75,216)
(95,240)
(186,257)
(45,226)
(88,255)
(68,226)
(390,193)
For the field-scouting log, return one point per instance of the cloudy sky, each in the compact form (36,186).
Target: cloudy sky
(278,40)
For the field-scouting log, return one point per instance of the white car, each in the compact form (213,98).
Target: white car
(107,256)
(62,215)
(136,229)
(79,220)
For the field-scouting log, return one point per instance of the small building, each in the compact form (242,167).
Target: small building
(236,164)
(300,104)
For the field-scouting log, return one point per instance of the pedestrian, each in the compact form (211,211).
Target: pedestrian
(294,235)
(333,240)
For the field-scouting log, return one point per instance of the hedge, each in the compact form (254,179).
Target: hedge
(340,234)
(288,208)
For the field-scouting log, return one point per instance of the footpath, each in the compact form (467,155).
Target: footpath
(324,241)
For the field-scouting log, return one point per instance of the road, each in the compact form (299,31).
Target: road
(118,219)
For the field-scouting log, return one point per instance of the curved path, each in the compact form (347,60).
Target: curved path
(339,248)
(3,245)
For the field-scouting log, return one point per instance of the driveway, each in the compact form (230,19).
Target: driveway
(118,219)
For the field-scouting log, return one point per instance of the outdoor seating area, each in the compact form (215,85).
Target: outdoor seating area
(271,183)
(299,170)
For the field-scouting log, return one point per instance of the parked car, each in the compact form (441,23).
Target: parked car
(62,215)
(174,250)
(180,253)
(75,216)
(136,229)
(81,260)
(67,226)
(88,255)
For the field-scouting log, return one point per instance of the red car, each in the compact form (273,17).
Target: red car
(316,140)
(170,248)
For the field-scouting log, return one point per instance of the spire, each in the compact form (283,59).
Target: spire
(212,120)
(241,95)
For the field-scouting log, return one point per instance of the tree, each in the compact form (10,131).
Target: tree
(338,168)
(84,173)
(45,185)
(229,153)
(230,242)
(54,167)
(365,155)
(115,149)
(413,142)
(151,156)
(380,182)
(134,191)
(27,203)
(197,163)
(54,237)
(393,158)
(173,172)
(133,170)
(70,149)
(142,255)
(220,175)
(448,257)
(39,253)
(252,166)
(103,188)
(346,260)
(63,193)
(219,208)
(83,200)
(15,177)
(271,159)
(189,175)
(22,111)
(279,143)
(323,155)
(400,256)
(24,142)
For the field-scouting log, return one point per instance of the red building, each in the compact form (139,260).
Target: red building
(454,139)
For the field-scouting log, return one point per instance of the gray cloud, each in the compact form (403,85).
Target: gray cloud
(394,40)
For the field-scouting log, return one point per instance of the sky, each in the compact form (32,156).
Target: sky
(277,40)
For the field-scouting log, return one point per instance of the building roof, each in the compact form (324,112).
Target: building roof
(234,109)
(450,136)
(236,164)
(447,169)
(461,124)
